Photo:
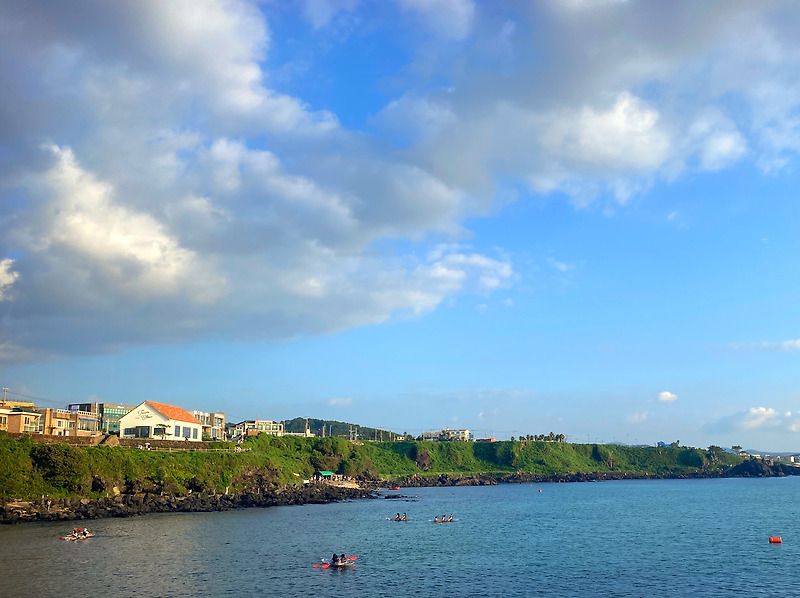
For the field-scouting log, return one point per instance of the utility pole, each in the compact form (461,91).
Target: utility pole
(5,390)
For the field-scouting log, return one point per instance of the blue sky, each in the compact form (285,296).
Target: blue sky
(519,217)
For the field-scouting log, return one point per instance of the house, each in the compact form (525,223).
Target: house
(160,421)
(253,427)
(64,422)
(460,435)
(213,424)
(22,420)
(448,434)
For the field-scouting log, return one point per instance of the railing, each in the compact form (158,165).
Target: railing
(169,449)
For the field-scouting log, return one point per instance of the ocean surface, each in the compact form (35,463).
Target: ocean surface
(624,538)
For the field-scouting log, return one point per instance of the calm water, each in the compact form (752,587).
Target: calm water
(628,538)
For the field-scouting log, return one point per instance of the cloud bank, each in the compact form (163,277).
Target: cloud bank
(163,187)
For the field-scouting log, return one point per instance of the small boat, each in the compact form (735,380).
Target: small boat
(348,563)
(395,488)
(79,537)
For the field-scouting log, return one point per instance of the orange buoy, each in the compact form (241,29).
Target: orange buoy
(775,540)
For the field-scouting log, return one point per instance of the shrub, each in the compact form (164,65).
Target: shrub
(62,466)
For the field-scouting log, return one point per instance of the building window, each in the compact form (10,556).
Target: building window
(194,433)
(129,432)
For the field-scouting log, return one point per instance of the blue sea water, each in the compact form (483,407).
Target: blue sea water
(623,538)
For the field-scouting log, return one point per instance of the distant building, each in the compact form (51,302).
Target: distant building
(160,421)
(213,424)
(448,434)
(485,440)
(252,427)
(6,404)
(460,435)
(64,422)
(109,414)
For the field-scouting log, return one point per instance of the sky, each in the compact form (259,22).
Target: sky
(576,216)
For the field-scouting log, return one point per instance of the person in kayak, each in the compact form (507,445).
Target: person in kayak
(342,559)
(397,517)
(335,560)
(404,518)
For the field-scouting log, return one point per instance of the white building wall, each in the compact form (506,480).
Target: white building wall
(144,416)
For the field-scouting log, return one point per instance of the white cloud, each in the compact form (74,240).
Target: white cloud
(637,418)
(666,397)
(717,140)
(132,252)
(7,278)
(342,402)
(790,345)
(452,18)
(560,266)
(755,417)
(626,136)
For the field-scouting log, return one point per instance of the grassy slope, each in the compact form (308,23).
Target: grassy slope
(29,469)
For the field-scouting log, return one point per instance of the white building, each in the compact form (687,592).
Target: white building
(448,434)
(160,421)
(213,424)
(252,427)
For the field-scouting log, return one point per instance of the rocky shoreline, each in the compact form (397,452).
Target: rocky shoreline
(141,503)
(129,505)
(750,468)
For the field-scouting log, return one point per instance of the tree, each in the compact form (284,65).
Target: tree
(736,449)
(62,466)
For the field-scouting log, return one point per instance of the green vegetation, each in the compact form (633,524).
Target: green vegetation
(29,469)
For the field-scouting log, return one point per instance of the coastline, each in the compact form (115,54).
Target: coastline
(130,505)
(142,503)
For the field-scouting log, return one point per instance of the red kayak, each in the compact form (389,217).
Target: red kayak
(348,563)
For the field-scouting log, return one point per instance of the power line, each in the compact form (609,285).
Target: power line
(19,394)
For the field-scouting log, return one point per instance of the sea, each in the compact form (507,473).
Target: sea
(643,538)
